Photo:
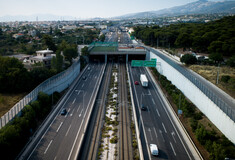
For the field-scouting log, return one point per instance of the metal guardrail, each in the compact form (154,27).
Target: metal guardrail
(210,94)
(56,83)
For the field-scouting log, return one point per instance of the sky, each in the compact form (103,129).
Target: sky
(85,8)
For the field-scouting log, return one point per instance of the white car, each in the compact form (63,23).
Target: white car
(154,149)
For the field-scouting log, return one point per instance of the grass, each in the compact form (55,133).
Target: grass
(210,73)
(7,101)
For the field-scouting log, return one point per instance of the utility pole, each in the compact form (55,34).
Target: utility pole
(217,79)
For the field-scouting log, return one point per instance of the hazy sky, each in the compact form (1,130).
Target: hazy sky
(84,8)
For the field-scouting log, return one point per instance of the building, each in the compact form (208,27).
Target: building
(43,56)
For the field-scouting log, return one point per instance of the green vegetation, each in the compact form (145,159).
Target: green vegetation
(218,146)
(104,49)
(217,37)
(15,135)
(14,78)
(188,59)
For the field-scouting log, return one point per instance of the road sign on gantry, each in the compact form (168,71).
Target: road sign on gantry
(137,63)
(150,63)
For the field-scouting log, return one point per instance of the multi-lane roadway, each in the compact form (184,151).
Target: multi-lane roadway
(64,134)
(159,127)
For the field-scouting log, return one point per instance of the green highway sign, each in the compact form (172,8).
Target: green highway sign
(137,63)
(150,63)
(154,59)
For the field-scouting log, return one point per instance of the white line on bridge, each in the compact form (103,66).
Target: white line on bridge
(153,101)
(48,147)
(78,108)
(173,149)
(155,131)
(158,113)
(74,101)
(68,130)
(164,127)
(59,127)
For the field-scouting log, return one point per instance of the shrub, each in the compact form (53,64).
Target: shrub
(225,79)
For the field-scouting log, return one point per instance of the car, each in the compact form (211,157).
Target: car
(63,112)
(136,83)
(88,68)
(154,149)
(83,77)
(143,108)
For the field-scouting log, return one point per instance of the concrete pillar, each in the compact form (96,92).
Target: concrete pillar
(106,58)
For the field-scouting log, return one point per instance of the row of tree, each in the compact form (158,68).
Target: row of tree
(16,133)
(213,37)
(219,147)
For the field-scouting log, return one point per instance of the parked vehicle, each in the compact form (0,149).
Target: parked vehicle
(136,83)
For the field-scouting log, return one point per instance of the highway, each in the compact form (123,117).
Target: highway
(63,136)
(159,128)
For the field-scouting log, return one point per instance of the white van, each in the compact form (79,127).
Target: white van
(154,149)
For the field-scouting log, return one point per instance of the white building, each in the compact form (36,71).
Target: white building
(43,56)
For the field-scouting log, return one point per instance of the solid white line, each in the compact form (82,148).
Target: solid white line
(59,127)
(155,131)
(164,127)
(158,112)
(173,149)
(48,147)
(153,101)
(74,101)
(68,130)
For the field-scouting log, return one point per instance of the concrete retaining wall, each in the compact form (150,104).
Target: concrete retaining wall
(203,103)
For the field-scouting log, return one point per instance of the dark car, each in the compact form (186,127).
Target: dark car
(83,77)
(136,83)
(143,108)
(63,112)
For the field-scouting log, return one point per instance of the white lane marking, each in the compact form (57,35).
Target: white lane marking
(155,131)
(74,101)
(160,131)
(79,92)
(80,113)
(150,134)
(164,127)
(59,127)
(78,108)
(68,130)
(173,135)
(55,158)
(149,92)
(173,149)
(84,94)
(158,112)
(48,147)
(153,101)
(82,85)
(72,113)
(148,109)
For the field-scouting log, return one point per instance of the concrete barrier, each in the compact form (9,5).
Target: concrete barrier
(196,96)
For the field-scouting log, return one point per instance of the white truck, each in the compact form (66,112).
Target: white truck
(144,80)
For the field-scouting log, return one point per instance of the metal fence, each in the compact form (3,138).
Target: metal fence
(227,109)
(56,83)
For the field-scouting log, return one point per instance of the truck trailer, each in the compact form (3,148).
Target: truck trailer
(144,80)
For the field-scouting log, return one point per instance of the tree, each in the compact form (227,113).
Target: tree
(231,61)
(85,51)
(188,59)
(70,52)
(216,57)
(102,38)
(47,40)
